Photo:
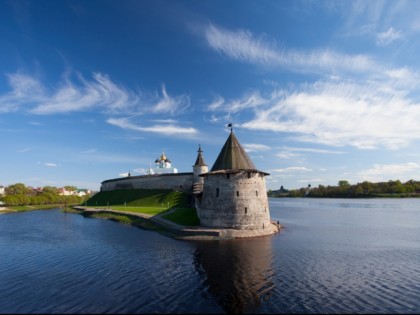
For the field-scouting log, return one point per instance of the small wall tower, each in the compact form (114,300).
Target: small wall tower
(200,167)
(234,194)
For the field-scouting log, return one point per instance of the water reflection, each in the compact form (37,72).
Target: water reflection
(237,273)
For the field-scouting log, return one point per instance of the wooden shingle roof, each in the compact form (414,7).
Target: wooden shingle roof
(233,158)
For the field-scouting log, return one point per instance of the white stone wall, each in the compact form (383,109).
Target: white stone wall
(238,202)
(179,182)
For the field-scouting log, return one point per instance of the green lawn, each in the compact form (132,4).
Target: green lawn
(157,198)
(147,201)
(183,216)
(145,210)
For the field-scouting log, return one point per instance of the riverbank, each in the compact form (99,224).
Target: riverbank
(29,208)
(159,224)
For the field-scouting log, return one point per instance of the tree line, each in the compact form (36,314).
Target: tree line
(21,195)
(392,188)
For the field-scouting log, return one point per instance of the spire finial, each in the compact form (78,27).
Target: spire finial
(231,127)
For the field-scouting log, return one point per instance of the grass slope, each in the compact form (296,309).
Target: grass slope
(183,216)
(148,201)
(139,198)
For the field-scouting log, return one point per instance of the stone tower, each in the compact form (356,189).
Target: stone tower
(234,194)
(200,167)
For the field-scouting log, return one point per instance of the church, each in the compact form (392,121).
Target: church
(232,195)
(162,166)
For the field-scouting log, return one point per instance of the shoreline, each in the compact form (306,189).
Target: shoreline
(13,209)
(171,229)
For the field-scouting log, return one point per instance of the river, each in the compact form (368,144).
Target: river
(333,256)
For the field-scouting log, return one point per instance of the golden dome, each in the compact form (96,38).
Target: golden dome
(163,157)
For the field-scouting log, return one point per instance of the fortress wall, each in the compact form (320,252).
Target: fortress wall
(180,182)
(242,202)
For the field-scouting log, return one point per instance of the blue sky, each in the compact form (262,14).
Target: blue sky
(317,91)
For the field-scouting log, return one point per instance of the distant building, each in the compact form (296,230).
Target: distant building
(162,166)
(2,190)
(78,192)
(64,192)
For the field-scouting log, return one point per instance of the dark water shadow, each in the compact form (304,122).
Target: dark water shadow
(238,274)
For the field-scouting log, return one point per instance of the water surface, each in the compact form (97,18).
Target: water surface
(334,256)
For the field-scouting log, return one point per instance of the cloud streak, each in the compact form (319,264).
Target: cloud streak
(242,45)
(403,171)
(386,38)
(291,169)
(340,114)
(255,147)
(376,108)
(365,115)
(169,129)
(81,95)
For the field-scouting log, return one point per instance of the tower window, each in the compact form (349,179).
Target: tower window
(217,192)
(246,210)
(237,193)
(227,176)
(249,175)
(256,193)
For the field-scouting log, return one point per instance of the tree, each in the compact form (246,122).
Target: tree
(17,189)
(343,183)
(367,187)
(50,189)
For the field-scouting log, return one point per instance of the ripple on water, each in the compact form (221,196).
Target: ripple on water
(53,263)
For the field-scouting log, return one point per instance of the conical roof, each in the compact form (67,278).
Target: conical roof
(200,158)
(232,157)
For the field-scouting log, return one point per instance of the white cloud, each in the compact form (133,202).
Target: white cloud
(168,104)
(375,109)
(214,119)
(23,150)
(24,90)
(313,150)
(100,93)
(243,46)
(167,121)
(254,147)
(383,172)
(291,169)
(217,103)
(309,180)
(288,155)
(391,35)
(48,164)
(365,116)
(167,130)
(240,45)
